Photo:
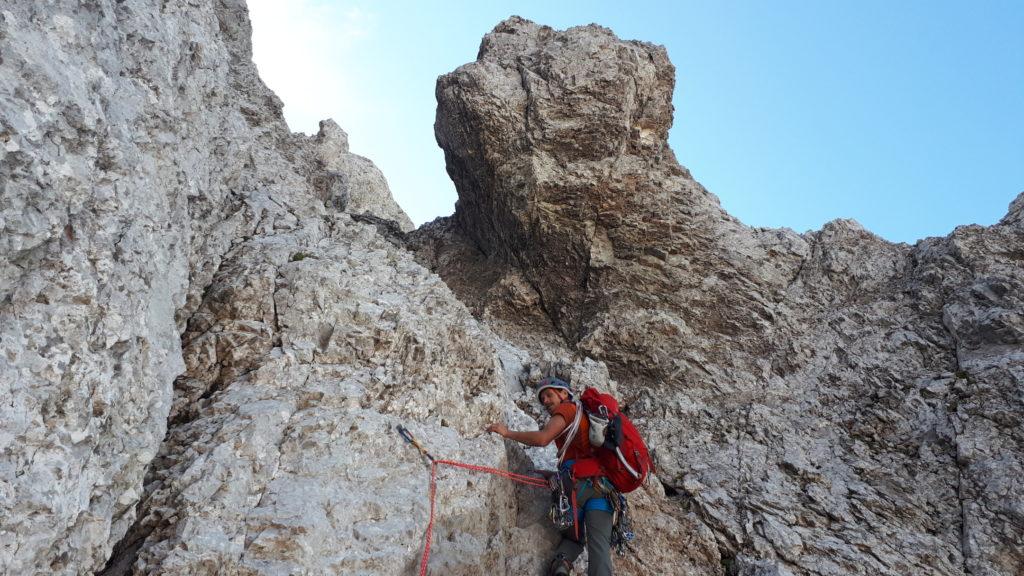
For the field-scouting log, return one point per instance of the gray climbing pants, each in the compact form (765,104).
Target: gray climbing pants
(597,533)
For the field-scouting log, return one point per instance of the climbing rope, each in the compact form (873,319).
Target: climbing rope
(520,478)
(528,480)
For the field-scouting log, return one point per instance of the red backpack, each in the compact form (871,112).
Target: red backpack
(620,452)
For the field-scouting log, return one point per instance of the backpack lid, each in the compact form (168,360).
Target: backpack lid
(593,399)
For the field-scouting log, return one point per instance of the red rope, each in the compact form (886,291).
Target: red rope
(522,479)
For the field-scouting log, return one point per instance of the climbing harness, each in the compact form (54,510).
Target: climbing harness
(567,515)
(520,478)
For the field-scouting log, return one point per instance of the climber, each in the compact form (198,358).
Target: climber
(591,495)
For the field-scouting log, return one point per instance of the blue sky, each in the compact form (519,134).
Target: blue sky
(907,116)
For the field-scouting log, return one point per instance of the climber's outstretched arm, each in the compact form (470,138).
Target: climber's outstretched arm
(541,437)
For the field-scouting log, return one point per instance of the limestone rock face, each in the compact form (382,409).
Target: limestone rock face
(286,460)
(141,159)
(210,327)
(124,153)
(826,403)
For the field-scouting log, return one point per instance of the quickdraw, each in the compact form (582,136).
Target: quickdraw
(622,524)
(404,433)
(563,513)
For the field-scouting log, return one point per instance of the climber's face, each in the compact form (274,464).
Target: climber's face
(552,397)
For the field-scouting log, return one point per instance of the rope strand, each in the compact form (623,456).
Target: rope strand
(520,478)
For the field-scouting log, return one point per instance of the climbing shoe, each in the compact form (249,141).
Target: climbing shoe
(560,567)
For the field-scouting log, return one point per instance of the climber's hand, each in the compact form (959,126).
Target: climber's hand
(498,428)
